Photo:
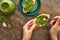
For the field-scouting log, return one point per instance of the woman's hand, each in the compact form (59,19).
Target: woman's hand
(28,29)
(55,23)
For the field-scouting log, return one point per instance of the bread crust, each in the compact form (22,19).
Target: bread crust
(40,15)
(28,10)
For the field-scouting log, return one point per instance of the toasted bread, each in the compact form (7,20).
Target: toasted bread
(25,10)
(41,19)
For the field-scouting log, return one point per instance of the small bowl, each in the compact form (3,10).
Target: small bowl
(35,9)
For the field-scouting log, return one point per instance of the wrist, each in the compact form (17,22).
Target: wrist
(53,36)
(25,38)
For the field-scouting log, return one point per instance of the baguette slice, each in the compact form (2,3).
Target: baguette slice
(30,7)
(34,1)
(41,21)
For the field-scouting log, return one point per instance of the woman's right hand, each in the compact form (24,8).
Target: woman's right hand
(55,27)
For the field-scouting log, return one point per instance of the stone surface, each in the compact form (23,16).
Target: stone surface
(18,20)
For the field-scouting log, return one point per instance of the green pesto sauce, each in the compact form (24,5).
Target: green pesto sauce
(40,21)
(28,5)
(5,6)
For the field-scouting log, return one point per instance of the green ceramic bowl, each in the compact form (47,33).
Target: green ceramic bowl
(6,7)
(35,9)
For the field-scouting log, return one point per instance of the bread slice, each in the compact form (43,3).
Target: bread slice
(30,7)
(42,21)
(34,1)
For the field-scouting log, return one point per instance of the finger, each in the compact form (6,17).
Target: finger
(56,17)
(32,27)
(52,22)
(57,22)
(28,23)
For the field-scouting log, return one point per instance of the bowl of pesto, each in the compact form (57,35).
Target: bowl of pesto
(6,7)
(29,7)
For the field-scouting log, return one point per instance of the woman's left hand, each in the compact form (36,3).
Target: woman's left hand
(28,29)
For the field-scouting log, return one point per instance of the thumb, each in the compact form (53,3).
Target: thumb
(33,27)
(57,22)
